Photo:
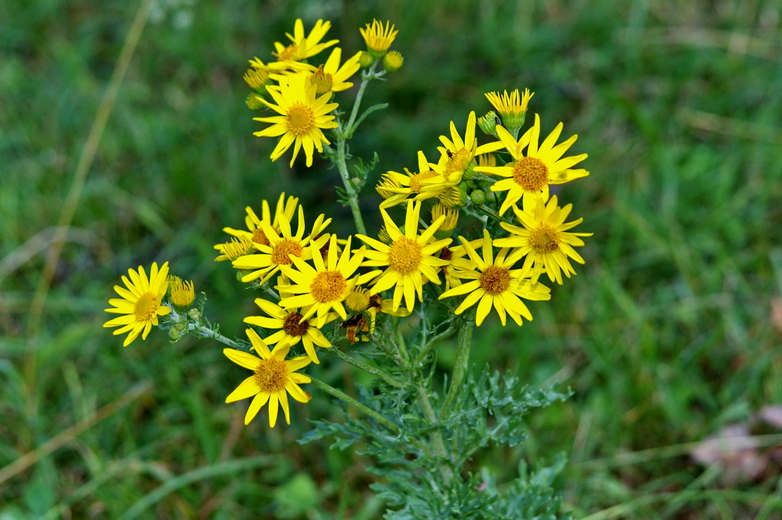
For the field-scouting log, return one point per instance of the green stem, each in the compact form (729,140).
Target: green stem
(437,435)
(462,358)
(347,182)
(367,368)
(355,404)
(204,331)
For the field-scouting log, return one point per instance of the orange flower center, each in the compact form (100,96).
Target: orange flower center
(292,326)
(271,375)
(288,53)
(544,239)
(283,248)
(259,237)
(145,307)
(531,174)
(495,279)
(328,286)
(404,256)
(300,119)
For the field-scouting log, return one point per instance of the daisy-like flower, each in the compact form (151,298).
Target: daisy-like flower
(378,37)
(322,289)
(331,77)
(139,302)
(285,209)
(410,259)
(427,183)
(291,327)
(302,117)
(282,246)
(304,46)
(530,175)
(494,284)
(274,377)
(511,107)
(457,155)
(545,240)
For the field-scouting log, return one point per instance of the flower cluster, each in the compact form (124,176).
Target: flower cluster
(302,94)
(453,243)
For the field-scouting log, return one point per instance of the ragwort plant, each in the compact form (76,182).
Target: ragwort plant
(466,235)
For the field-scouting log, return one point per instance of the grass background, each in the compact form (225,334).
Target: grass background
(666,335)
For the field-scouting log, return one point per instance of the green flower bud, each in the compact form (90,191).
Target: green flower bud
(477,197)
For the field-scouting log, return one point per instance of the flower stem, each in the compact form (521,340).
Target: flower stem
(462,358)
(204,331)
(367,368)
(355,404)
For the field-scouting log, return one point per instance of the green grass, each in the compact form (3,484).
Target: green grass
(665,335)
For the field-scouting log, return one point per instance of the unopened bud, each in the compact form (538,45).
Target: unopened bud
(393,61)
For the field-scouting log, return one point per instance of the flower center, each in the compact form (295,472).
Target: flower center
(259,237)
(404,256)
(415,180)
(283,248)
(457,162)
(292,326)
(328,286)
(531,174)
(287,53)
(321,80)
(271,375)
(495,279)
(146,307)
(300,119)
(544,239)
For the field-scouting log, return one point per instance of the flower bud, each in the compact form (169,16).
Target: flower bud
(478,197)
(365,60)
(488,123)
(254,102)
(393,61)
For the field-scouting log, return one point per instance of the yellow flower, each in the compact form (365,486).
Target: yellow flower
(291,328)
(410,258)
(274,377)
(331,77)
(304,46)
(457,154)
(322,289)
(492,283)
(545,240)
(378,37)
(429,182)
(282,247)
(511,107)
(530,175)
(254,234)
(302,117)
(140,302)
(181,292)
